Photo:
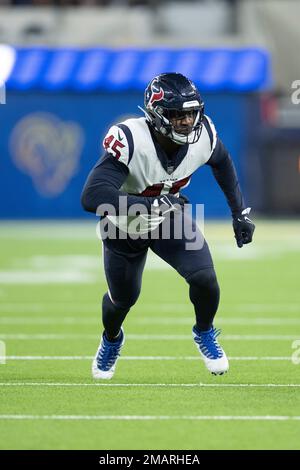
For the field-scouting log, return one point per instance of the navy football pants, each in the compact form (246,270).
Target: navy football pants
(124,262)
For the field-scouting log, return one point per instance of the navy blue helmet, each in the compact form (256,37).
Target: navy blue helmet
(172,96)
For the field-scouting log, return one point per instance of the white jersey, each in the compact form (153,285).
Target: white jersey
(150,172)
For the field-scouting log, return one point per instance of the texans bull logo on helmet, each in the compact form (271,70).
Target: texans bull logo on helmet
(157,95)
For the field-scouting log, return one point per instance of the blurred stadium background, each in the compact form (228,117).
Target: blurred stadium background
(68,70)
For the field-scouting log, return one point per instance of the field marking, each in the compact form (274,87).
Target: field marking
(292,307)
(172,385)
(219,320)
(46,277)
(278,307)
(146,358)
(148,418)
(170,321)
(143,337)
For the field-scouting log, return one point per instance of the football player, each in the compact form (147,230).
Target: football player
(148,161)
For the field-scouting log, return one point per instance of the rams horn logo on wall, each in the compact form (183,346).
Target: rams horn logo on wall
(48,150)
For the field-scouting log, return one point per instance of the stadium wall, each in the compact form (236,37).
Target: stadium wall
(50,141)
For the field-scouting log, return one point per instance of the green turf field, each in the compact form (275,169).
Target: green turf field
(161,397)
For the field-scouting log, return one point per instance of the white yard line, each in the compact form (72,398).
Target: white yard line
(84,307)
(170,321)
(71,307)
(171,385)
(49,321)
(143,337)
(145,358)
(219,320)
(46,277)
(269,307)
(147,418)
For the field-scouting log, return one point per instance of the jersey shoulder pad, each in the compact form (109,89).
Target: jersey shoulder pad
(211,130)
(118,142)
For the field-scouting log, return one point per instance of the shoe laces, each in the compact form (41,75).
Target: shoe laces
(108,353)
(208,343)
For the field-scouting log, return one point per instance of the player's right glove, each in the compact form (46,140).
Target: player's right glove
(169,203)
(160,207)
(243,228)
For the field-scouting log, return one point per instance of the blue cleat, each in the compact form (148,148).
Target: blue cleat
(104,363)
(211,352)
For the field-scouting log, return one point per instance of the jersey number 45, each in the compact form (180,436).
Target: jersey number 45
(113,148)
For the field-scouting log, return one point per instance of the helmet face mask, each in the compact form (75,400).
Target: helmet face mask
(174,108)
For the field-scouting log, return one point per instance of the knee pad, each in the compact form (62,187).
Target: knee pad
(204,279)
(125,303)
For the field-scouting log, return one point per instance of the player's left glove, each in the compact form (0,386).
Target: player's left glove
(243,227)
